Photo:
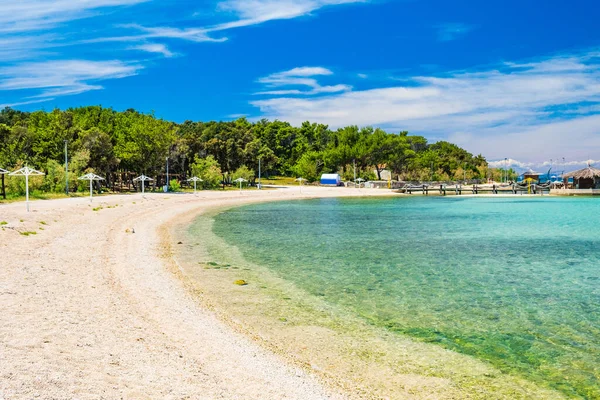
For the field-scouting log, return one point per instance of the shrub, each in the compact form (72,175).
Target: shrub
(174,185)
(208,170)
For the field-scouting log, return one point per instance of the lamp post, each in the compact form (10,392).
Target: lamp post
(259,172)
(66,168)
(167,185)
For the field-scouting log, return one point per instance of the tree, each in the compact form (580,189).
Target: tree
(208,170)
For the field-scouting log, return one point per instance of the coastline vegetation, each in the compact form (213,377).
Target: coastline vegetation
(109,143)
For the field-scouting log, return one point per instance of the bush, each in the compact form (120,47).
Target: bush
(208,170)
(244,173)
(174,185)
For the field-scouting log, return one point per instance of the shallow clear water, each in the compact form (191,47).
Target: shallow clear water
(515,282)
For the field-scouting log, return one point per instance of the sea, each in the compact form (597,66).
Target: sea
(512,282)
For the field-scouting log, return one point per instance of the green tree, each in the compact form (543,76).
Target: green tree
(208,170)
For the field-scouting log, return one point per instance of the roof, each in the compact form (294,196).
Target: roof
(531,173)
(585,173)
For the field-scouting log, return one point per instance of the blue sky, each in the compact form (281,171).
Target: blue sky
(516,79)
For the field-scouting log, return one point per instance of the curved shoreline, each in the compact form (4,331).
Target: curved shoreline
(93,309)
(365,359)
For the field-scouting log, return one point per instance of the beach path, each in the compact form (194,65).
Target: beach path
(92,308)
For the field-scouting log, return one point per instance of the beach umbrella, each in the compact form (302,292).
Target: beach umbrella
(3,171)
(359,180)
(91,177)
(300,180)
(240,180)
(26,172)
(195,179)
(143,179)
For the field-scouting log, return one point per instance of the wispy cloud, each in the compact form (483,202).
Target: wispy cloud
(300,77)
(31,29)
(155,48)
(34,15)
(65,77)
(556,164)
(514,109)
(452,31)
(253,12)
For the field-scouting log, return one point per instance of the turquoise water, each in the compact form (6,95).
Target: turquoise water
(514,282)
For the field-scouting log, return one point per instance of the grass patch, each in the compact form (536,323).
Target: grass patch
(43,223)
(279,180)
(3,223)
(28,233)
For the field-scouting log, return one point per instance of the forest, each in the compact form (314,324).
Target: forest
(122,145)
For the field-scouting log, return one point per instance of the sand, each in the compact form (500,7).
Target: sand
(92,306)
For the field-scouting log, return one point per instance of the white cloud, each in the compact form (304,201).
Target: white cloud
(155,48)
(557,164)
(29,28)
(32,15)
(189,34)
(519,110)
(23,103)
(253,12)
(510,163)
(301,76)
(65,77)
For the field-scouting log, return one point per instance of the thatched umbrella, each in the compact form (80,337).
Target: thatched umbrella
(589,174)
(585,173)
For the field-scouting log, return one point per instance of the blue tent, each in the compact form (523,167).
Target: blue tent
(331,179)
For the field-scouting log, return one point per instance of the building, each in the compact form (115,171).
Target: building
(586,178)
(529,176)
(331,179)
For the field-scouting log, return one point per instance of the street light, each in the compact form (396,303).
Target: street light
(66,168)
(259,158)
(167,185)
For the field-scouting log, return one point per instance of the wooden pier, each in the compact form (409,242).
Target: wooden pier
(458,190)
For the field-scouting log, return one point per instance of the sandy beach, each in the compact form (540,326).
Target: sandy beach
(94,307)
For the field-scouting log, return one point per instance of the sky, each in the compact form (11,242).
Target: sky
(506,79)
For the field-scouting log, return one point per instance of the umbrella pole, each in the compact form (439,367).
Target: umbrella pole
(27,191)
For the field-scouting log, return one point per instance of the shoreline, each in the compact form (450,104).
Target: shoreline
(87,294)
(91,308)
(341,348)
